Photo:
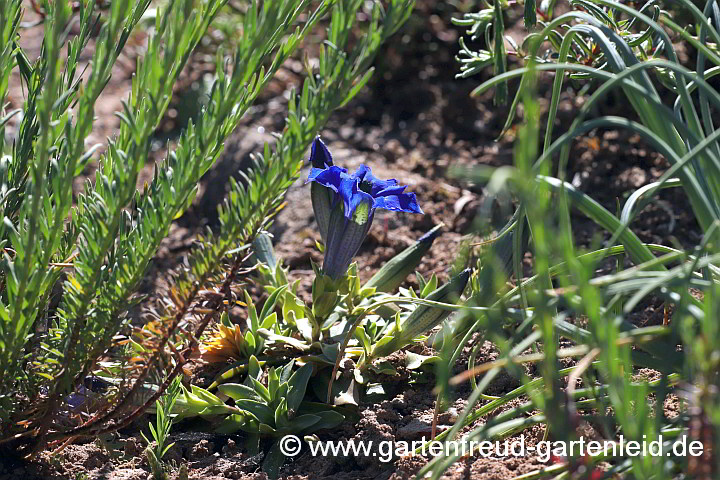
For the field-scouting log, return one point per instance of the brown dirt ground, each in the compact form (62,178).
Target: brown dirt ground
(412,123)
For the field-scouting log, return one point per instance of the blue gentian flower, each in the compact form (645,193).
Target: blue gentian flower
(345,204)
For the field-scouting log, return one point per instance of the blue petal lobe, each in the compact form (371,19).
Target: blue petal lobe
(320,156)
(392,190)
(364,174)
(328,177)
(358,198)
(405,202)
(348,192)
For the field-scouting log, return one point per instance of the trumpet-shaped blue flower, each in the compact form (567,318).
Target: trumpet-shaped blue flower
(345,204)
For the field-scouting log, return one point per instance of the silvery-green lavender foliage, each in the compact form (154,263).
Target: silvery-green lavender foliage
(113,230)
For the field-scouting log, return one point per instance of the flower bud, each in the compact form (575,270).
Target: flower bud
(424,317)
(395,271)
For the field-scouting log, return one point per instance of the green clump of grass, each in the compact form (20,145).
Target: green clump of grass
(618,48)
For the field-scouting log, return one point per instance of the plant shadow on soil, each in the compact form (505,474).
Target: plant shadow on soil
(412,123)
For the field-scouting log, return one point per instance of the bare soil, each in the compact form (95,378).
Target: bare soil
(412,123)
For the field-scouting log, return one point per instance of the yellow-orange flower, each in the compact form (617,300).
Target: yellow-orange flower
(227,343)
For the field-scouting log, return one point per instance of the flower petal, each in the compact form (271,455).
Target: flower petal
(351,196)
(357,199)
(364,174)
(329,177)
(404,202)
(391,190)
(346,187)
(320,156)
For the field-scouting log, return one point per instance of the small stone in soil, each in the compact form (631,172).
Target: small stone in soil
(417,428)
(202,450)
